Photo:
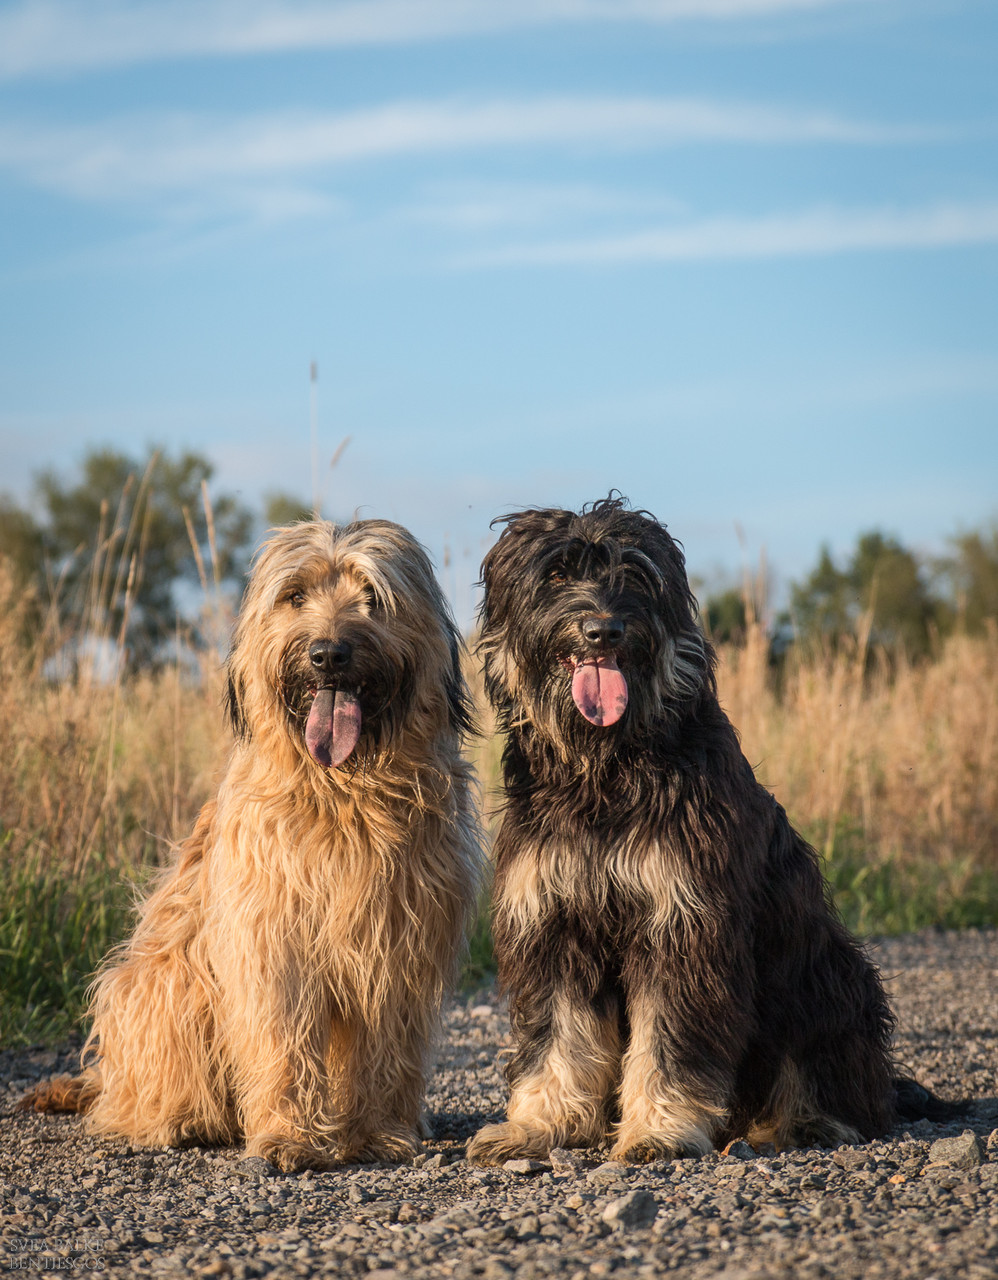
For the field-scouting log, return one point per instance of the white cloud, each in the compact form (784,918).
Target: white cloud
(485,206)
(810,233)
(45,36)
(131,158)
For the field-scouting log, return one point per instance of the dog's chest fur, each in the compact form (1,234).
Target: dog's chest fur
(660,842)
(630,882)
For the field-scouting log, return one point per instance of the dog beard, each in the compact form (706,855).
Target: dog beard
(344,719)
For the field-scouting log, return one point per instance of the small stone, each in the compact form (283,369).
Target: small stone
(608,1171)
(481,1011)
(850,1158)
(739,1149)
(255,1167)
(964,1152)
(525,1167)
(636,1209)
(435,1162)
(576,1201)
(774,1218)
(379,1209)
(564,1161)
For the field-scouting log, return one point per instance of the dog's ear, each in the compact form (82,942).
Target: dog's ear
(233,701)
(505,561)
(460,713)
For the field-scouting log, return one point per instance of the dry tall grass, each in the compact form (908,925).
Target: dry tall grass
(906,754)
(101,768)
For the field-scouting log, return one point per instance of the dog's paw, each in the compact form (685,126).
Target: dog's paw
(289,1155)
(396,1146)
(652,1146)
(497,1143)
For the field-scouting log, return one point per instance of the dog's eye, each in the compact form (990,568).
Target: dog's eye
(557,577)
(296,599)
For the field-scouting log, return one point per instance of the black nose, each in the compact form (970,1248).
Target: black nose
(329,656)
(607,632)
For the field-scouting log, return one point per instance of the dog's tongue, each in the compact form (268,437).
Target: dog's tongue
(333,727)
(599,690)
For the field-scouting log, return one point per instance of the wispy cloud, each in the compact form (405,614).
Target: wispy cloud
(45,36)
(810,233)
(485,207)
(131,158)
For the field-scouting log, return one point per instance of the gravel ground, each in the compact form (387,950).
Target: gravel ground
(912,1205)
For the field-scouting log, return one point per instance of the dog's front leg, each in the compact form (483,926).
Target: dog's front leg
(379,1070)
(561,1074)
(277,1041)
(679,1064)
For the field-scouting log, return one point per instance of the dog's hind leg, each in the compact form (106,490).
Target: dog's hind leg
(561,1077)
(154,1074)
(793,1118)
(63,1094)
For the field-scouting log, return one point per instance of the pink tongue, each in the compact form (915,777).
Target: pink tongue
(599,690)
(333,727)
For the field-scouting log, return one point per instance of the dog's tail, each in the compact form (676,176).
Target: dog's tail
(912,1101)
(62,1093)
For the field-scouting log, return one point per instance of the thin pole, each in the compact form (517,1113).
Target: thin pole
(314,414)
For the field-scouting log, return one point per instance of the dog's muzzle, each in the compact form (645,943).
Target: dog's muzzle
(599,687)
(334,719)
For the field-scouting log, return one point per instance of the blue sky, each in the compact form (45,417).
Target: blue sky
(737,258)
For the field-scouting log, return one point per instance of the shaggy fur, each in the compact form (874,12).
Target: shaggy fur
(284,980)
(677,976)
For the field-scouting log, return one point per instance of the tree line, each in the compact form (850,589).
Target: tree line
(117,547)
(902,600)
(120,548)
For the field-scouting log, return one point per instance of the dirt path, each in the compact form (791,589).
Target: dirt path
(896,1208)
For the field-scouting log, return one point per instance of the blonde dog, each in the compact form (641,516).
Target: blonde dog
(284,980)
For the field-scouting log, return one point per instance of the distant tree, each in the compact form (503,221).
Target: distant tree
(725,616)
(21,542)
(823,604)
(20,556)
(117,541)
(890,582)
(970,573)
(883,580)
(283,508)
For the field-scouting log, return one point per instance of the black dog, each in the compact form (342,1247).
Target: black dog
(675,969)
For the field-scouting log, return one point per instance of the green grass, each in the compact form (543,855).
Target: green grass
(54,931)
(479,963)
(902,894)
